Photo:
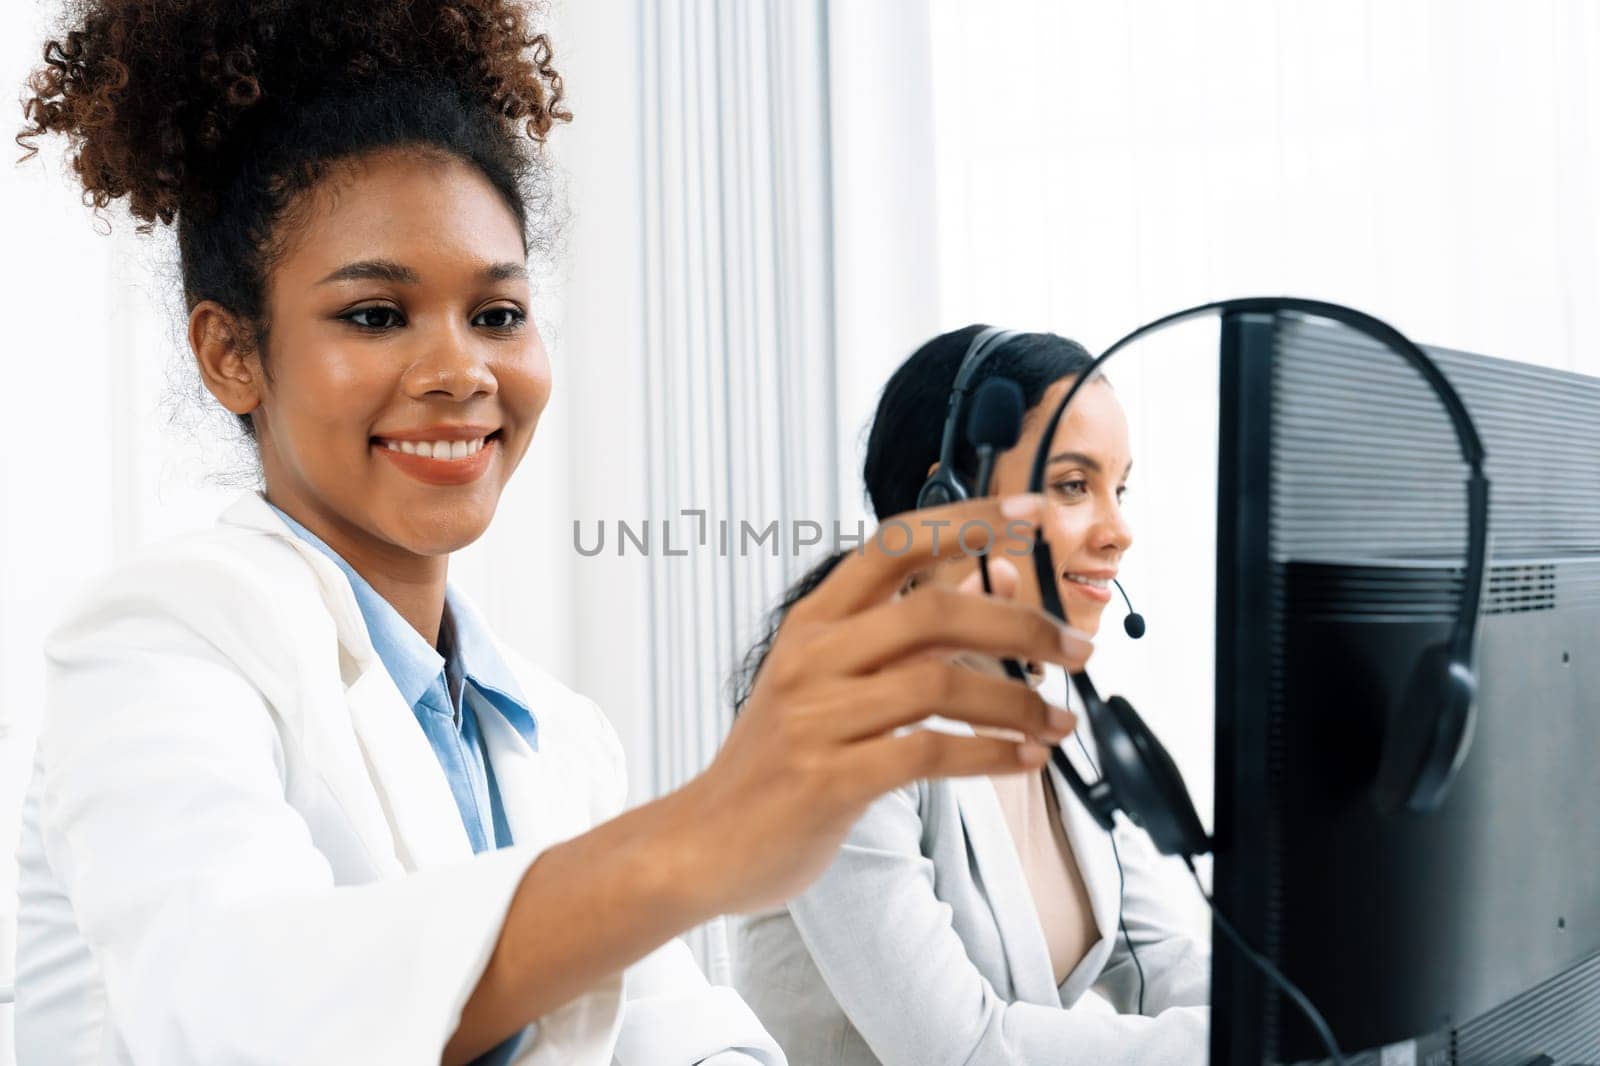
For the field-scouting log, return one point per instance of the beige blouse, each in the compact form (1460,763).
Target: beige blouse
(1048,864)
(1050,868)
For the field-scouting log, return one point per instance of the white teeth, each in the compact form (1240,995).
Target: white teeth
(437,449)
(1092,582)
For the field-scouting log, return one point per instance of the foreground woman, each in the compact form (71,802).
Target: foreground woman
(294,801)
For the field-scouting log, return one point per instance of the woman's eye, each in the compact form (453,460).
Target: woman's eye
(1122,493)
(515,320)
(377,311)
(1071,489)
(511,319)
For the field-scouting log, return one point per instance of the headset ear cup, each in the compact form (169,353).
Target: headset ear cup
(1147,781)
(1429,732)
(1450,737)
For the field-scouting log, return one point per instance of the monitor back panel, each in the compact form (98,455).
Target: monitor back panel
(1344,516)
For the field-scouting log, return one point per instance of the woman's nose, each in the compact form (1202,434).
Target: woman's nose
(1114,529)
(453,364)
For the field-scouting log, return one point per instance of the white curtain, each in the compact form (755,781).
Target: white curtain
(1436,163)
(703,313)
(738,374)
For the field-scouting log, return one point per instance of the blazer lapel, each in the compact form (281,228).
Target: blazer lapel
(1000,872)
(534,811)
(545,802)
(370,751)
(406,774)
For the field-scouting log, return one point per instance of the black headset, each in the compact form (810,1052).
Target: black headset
(944,485)
(1421,754)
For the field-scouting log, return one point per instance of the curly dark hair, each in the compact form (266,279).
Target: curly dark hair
(219,113)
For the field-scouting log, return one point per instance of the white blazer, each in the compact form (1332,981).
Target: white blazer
(921,945)
(238,847)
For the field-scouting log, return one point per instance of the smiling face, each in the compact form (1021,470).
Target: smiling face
(1090,460)
(403,377)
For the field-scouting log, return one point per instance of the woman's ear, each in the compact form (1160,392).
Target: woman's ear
(229,370)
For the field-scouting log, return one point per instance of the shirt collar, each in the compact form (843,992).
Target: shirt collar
(481,661)
(412,662)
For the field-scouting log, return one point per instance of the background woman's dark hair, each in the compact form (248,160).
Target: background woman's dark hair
(904,441)
(219,113)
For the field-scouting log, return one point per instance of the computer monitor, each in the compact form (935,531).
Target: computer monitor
(1470,935)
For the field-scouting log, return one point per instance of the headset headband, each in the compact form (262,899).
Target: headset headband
(985,344)
(1464,631)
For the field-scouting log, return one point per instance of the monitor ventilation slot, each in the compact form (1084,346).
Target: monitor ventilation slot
(1392,592)
(1514,589)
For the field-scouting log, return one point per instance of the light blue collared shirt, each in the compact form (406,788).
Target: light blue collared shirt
(446,693)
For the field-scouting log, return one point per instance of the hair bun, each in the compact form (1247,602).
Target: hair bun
(160,102)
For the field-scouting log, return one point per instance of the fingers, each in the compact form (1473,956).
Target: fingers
(937,616)
(909,693)
(876,766)
(1003,578)
(906,543)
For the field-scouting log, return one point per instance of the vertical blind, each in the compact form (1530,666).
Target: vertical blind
(739,361)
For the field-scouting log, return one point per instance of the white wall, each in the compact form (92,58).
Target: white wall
(886,236)
(1434,163)
(606,608)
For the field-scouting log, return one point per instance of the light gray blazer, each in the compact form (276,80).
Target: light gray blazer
(920,945)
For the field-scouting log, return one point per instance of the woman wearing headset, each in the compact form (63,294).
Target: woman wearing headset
(294,802)
(964,921)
